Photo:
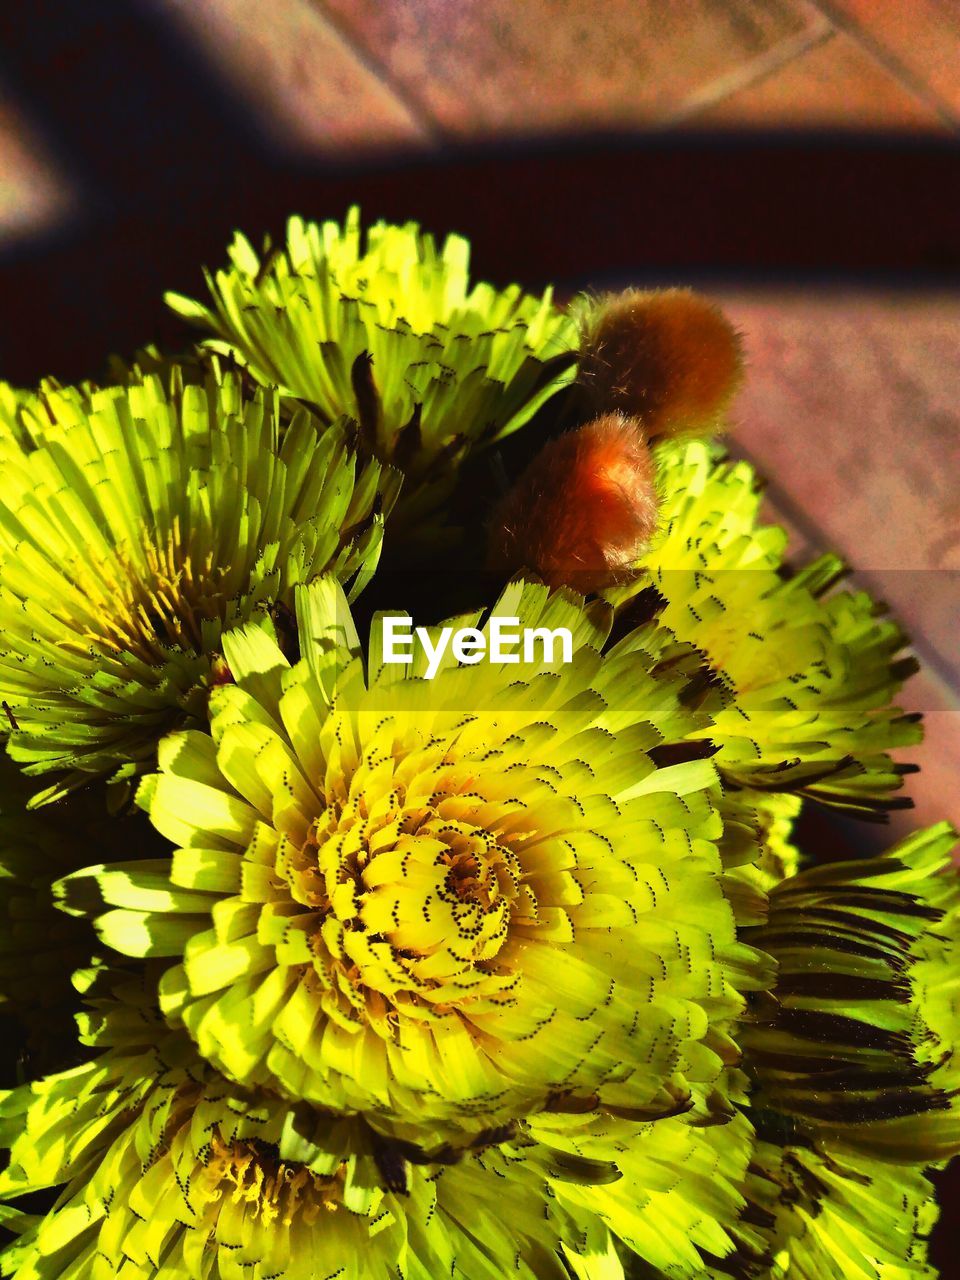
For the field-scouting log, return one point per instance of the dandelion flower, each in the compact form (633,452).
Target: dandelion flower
(387,329)
(137,523)
(444,903)
(163,1169)
(812,674)
(864,1042)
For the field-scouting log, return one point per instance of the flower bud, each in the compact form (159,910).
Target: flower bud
(584,509)
(668,357)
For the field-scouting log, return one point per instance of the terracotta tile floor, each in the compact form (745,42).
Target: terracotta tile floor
(506,67)
(494,67)
(311,88)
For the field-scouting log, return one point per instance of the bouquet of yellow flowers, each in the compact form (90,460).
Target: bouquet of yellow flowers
(347,947)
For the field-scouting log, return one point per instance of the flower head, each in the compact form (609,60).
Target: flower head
(137,523)
(863,1043)
(678,1200)
(165,1169)
(445,903)
(488,954)
(812,674)
(389,330)
(822,1211)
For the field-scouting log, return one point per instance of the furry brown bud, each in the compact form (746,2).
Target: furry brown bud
(669,357)
(583,511)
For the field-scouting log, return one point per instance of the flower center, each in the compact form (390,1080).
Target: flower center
(466,877)
(143,601)
(409,900)
(252,1174)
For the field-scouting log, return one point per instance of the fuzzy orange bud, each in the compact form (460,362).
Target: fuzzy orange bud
(669,357)
(584,509)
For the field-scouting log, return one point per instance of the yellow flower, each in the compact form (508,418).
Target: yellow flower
(139,522)
(445,903)
(166,1170)
(388,329)
(812,671)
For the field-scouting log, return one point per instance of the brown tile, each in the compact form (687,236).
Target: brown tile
(852,410)
(559,64)
(836,82)
(923,36)
(311,88)
(32,196)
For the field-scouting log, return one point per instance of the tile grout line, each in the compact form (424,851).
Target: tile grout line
(750,73)
(432,130)
(887,59)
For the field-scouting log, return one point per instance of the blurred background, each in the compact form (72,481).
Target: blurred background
(798,159)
